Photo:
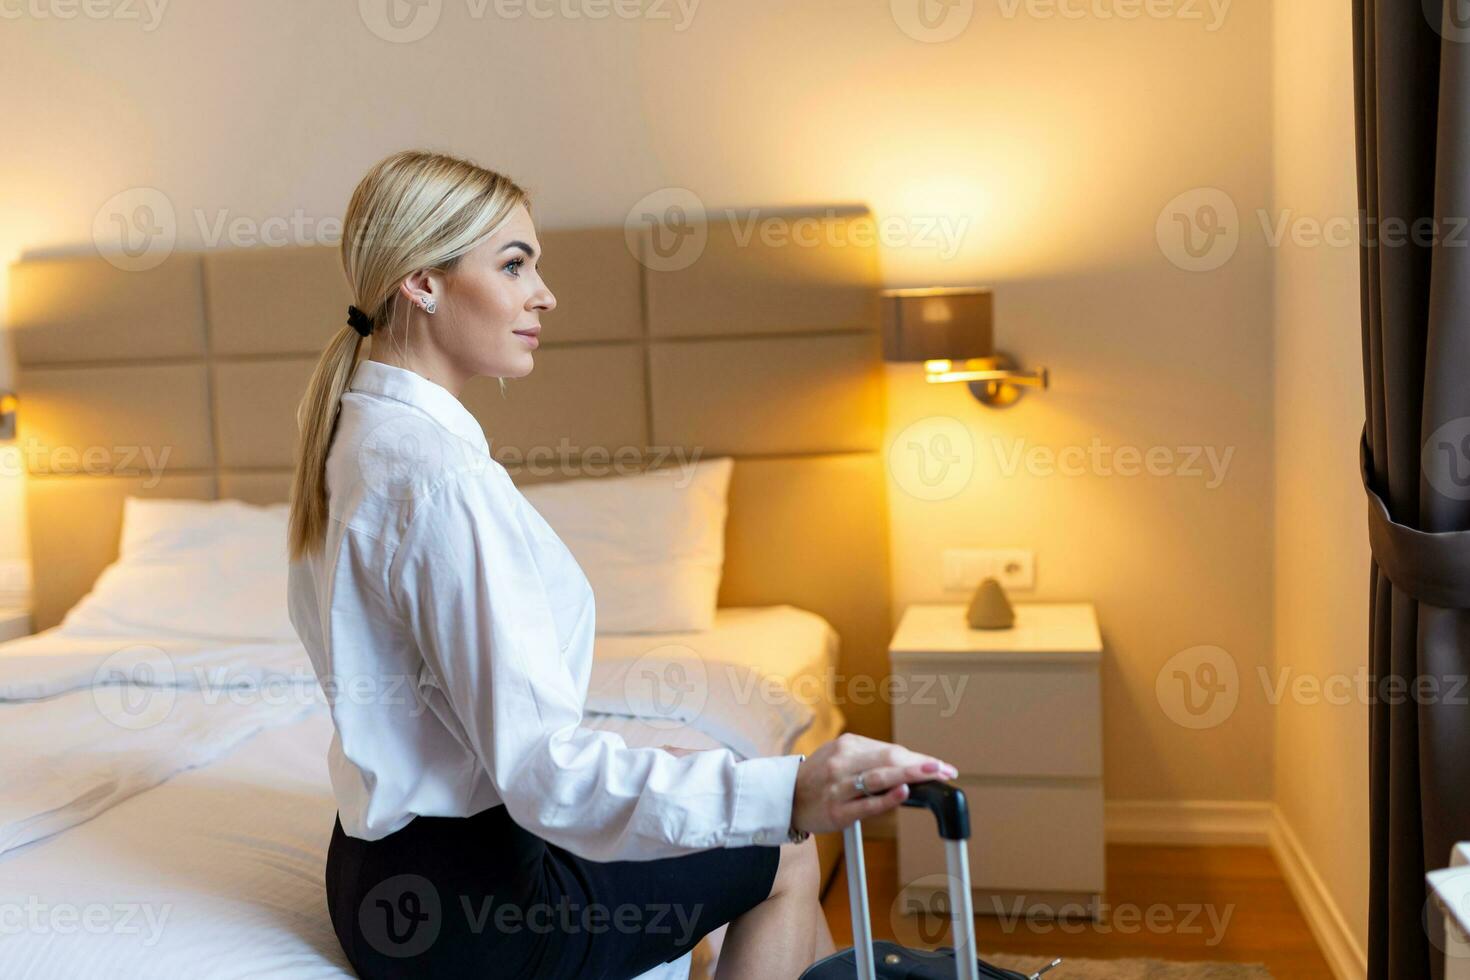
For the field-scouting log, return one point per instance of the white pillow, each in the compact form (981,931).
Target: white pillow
(210,568)
(651,544)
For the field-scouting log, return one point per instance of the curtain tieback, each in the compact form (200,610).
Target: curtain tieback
(1432,567)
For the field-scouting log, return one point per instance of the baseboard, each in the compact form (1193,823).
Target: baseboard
(1347,959)
(1195,822)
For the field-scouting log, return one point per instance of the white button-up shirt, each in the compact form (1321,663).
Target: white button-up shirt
(452,632)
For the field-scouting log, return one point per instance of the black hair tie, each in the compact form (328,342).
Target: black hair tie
(359,321)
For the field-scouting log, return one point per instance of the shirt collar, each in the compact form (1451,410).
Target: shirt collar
(412,388)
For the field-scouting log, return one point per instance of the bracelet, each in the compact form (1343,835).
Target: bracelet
(794,836)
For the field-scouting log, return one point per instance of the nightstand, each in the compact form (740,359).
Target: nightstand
(14,623)
(1019,713)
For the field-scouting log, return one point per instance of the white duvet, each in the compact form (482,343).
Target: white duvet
(91,721)
(88,724)
(166,806)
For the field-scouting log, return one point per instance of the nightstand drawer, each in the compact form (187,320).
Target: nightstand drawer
(1028,837)
(1041,720)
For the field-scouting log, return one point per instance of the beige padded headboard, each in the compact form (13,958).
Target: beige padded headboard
(182,381)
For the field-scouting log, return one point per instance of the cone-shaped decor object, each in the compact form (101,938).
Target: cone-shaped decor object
(990,609)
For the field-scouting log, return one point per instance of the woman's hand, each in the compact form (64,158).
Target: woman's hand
(827,798)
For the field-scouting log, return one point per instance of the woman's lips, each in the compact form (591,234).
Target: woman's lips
(531,336)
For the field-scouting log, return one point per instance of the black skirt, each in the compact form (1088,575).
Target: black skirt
(480,897)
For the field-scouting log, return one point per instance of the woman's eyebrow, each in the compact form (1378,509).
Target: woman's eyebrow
(522,246)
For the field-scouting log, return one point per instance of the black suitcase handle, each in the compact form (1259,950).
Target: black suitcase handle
(952,814)
(948,805)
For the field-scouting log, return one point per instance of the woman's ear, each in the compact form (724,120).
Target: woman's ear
(424,282)
(422,288)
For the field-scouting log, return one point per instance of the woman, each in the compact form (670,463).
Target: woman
(481,831)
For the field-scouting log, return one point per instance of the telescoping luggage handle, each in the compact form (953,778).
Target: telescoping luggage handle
(952,813)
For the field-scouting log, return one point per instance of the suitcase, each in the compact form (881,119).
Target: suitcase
(869,960)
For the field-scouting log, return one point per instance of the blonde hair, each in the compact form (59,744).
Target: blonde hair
(414,210)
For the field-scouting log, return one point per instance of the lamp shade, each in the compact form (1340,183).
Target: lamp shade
(937,323)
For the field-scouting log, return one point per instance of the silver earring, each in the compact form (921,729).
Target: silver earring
(430,306)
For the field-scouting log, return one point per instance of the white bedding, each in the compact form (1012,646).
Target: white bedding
(54,661)
(779,658)
(70,757)
(217,871)
(89,722)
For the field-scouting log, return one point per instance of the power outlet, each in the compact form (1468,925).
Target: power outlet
(966,568)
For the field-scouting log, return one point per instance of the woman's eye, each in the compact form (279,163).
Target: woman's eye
(515,265)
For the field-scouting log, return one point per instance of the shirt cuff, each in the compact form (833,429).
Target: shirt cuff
(765,790)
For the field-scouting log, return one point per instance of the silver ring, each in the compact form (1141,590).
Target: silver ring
(861,786)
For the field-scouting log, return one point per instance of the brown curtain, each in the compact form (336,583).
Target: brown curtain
(1412,74)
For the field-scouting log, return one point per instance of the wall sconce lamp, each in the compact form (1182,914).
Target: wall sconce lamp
(8,402)
(951,329)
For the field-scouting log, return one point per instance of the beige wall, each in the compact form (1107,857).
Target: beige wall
(1044,145)
(1321,538)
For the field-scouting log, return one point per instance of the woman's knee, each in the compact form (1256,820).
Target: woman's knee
(800,870)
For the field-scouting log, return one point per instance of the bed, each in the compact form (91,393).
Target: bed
(179,382)
(209,862)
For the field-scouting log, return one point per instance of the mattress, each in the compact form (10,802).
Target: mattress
(217,872)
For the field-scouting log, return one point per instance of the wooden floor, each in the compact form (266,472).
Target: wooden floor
(1204,903)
